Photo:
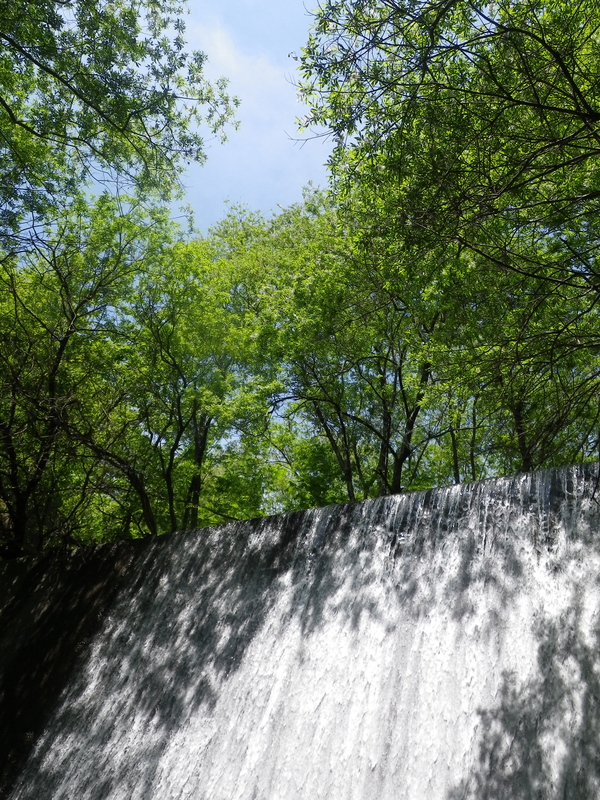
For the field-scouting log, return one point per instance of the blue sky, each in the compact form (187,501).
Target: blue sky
(261,166)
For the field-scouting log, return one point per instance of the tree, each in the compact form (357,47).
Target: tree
(97,91)
(351,354)
(59,302)
(511,90)
(92,94)
(469,133)
(469,112)
(402,367)
(184,395)
(129,403)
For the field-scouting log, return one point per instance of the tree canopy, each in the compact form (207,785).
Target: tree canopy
(432,318)
(479,120)
(98,91)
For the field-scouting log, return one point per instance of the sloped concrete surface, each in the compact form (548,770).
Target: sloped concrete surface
(441,645)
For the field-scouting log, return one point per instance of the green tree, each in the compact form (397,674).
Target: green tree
(349,354)
(411,366)
(510,90)
(467,133)
(188,393)
(59,301)
(129,403)
(464,114)
(97,91)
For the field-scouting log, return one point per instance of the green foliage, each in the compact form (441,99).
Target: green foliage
(433,319)
(127,404)
(403,367)
(474,123)
(97,394)
(466,139)
(97,90)
(58,303)
(151,383)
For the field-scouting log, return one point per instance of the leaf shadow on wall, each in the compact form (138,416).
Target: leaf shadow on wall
(50,611)
(542,740)
(196,602)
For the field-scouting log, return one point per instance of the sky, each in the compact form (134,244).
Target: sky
(262,165)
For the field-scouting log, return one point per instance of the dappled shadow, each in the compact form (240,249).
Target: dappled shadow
(450,544)
(190,606)
(541,741)
(181,626)
(49,611)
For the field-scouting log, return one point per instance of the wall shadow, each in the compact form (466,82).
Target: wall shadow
(50,610)
(542,739)
(192,605)
(178,614)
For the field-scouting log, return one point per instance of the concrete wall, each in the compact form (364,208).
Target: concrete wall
(438,645)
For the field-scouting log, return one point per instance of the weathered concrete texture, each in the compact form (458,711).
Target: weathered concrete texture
(434,646)
(50,610)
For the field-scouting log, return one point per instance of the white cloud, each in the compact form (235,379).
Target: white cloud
(262,165)
(263,85)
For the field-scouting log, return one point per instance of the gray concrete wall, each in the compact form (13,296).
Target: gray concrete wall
(433,646)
